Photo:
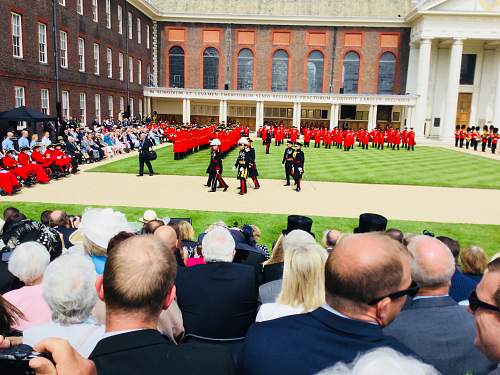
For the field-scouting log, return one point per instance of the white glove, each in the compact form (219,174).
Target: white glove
(301,170)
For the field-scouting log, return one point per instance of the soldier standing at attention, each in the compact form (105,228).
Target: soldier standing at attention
(214,169)
(298,165)
(241,166)
(267,141)
(288,161)
(252,166)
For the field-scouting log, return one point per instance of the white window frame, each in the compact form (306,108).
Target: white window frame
(110,107)
(16,23)
(65,104)
(108,14)
(139,34)
(63,48)
(131,103)
(122,104)
(120,65)
(120,19)
(95,11)
(42,43)
(97,106)
(148,74)
(147,36)
(139,72)
(62,2)
(109,62)
(130,25)
(19,96)
(81,54)
(140,108)
(97,61)
(45,101)
(131,69)
(83,108)
(79,7)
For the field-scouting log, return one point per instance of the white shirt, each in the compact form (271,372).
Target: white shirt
(270,311)
(82,336)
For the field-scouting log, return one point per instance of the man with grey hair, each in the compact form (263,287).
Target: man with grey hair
(219,299)
(69,289)
(433,325)
(330,239)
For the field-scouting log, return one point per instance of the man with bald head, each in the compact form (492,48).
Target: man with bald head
(168,238)
(367,279)
(433,325)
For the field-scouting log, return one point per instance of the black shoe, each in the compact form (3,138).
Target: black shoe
(240,193)
(151,174)
(297,190)
(139,175)
(287,184)
(257,187)
(211,191)
(225,189)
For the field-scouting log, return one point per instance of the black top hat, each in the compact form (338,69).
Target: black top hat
(36,146)
(289,142)
(249,140)
(298,144)
(11,151)
(25,149)
(299,222)
(371,223)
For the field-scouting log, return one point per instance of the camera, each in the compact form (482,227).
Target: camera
(15,361)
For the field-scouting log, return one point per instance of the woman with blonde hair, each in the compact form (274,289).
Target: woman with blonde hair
(474,262)
(303,287)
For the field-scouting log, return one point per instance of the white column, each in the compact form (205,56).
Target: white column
(410,116)
(372,117)
(184,111)
(299,112)
(424,60)
(334,116)
(450,114)
(224,111)
(496,117)
(221,111)
(259,114)
(188,110)
(294,118)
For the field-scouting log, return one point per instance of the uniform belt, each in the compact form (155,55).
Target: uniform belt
(289,159)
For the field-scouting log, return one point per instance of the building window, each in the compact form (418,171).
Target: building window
(210,68)
(17,35)
(65,104)
(149,79)
(129,23)
(95,11)
(467,69)
(108,14)
(131,69)
(42,43)
(120,65)
(19,96)
(120,20)
(44,101)
(131,103)
(147,36)
(386,73)
(140,108)
(245,70)
(62,2)
(350,73)
(63,48)
(109,62)
(97,102)
(315,72)
(139,36)
(83,108)
(139,72)
(81,54)
(176,67)
(110,106)
(122,104)
(280,71)
(79,7)
(96,59)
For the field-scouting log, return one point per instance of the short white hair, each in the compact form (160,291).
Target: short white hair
(29,261)
(218,245)
(297,237)
(385,361)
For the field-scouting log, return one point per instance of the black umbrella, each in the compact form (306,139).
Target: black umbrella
(25,114)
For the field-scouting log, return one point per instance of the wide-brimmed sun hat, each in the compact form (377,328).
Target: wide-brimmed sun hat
(149,215)
(99,225)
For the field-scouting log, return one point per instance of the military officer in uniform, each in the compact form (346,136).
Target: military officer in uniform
(214,169)
(287,161)
(253,173)
(145,147)
(241,166)
(298,165)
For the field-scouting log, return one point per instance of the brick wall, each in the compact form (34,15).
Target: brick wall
(31,74)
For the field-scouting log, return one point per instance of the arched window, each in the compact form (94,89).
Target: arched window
(210,68)
(245,70)
(176,67)
(315,72)
(350,73)
(280,71)
(386,73)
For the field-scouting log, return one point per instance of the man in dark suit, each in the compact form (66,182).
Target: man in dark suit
(358,305)
(433,325)
(138,283)
(218,300)
(145,146)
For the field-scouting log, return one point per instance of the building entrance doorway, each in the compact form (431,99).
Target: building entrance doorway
(463,109)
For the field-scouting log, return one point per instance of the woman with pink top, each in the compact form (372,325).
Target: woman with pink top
(28,262)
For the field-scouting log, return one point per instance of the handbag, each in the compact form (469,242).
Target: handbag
(152,155)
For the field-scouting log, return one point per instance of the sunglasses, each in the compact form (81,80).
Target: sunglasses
(410,292)
(475,303)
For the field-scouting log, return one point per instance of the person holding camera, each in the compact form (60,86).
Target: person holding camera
(146,154)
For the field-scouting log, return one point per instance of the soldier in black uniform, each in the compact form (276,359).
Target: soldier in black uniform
(214,169)
(287,161)
(298,165)
(268,141)
(145,147)
(253,173)
(241,166)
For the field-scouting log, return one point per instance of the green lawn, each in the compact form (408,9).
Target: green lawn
(426,166)
(486,236)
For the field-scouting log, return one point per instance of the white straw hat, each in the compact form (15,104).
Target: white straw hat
(149,215)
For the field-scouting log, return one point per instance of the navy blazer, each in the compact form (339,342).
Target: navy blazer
(442,333)
(461,286)
(308,343)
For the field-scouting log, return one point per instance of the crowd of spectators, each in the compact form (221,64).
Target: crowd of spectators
(104,295)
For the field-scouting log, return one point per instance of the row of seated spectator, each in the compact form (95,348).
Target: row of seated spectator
(148,297)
